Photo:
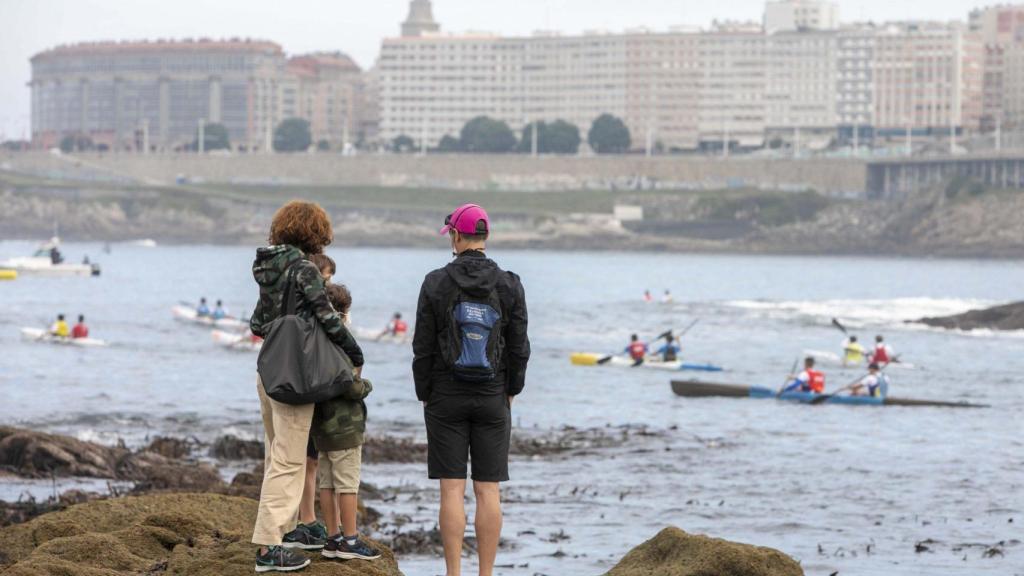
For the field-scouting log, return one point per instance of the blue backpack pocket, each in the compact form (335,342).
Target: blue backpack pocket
(476,323)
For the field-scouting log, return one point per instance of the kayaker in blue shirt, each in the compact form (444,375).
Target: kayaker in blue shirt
(670,350)
(875,384)
(219,312)
(202,310)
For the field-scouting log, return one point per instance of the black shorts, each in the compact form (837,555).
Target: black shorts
(468,427)
(311,452)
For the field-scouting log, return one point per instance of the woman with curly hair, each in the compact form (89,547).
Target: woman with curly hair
(299,230)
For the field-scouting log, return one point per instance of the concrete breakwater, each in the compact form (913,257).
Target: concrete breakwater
(461,171)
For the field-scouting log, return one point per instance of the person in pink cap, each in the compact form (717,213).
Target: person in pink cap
(470,351)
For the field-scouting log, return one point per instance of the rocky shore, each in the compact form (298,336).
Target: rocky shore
(176,515)
(1004,317)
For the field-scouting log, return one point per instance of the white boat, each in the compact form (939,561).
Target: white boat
(832,359)
(188,315)
(236,341)
(367,334)
(40,335)
(144,243)
(42,263)
(650,363)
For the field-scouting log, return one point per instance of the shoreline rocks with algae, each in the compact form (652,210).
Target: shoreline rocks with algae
(193,534)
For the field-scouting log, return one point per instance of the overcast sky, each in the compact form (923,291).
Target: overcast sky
(355,27)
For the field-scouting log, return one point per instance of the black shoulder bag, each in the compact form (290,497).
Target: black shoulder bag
(298,363)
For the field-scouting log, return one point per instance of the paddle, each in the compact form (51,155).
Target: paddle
(792,369)
(835,322)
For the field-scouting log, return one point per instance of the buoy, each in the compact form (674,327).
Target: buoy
(8,274)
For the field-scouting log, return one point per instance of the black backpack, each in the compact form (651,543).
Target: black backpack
(475,336)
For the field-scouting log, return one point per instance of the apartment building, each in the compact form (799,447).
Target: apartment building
(152,95)
(326,90)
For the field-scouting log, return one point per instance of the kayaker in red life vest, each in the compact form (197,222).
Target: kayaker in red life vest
(80,330)
(637,350)
(397,326)
(810,380)
(883,352)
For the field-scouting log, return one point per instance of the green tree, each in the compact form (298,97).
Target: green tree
(449,143)
(323,145)
(403,143)
(75,143)
(292,135)
(561,137)
(487,135)
(215,137)
(609,135)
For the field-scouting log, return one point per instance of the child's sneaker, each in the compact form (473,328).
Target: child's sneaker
(337,547)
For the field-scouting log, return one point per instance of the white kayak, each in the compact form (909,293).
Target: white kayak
(188,314)
(40,335)
(366,334)
(651,363)
(236,341)
(833,359)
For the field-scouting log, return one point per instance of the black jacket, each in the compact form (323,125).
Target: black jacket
(477,275)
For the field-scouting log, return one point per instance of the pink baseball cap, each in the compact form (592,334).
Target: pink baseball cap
(467,219)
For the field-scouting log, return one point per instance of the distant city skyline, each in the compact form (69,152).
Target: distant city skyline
(311,25)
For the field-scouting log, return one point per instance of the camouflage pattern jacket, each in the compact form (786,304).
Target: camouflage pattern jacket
(339,424)
(311,299)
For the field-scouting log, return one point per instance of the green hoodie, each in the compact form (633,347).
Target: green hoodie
(339,423)
(311,299)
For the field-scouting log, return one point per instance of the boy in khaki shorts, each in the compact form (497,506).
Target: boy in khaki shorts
(337,431)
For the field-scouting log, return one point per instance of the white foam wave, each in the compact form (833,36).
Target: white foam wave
(859,313)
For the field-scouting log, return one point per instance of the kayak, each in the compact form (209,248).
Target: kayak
(188,315)
(236,341)
(8,274)
(697,389)
(40,335)
(833,359)
(623,361)
(366,334)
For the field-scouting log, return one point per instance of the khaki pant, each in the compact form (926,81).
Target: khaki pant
(284,460)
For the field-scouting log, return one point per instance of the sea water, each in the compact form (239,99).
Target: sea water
(847,488)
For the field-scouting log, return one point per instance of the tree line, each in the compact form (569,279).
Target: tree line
(484,135)
(608,134)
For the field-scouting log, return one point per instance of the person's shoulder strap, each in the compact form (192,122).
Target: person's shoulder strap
(288,298)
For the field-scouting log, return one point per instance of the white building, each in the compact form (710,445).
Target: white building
(739,84)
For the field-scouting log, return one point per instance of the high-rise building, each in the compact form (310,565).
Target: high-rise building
(1000,30)
(135,95)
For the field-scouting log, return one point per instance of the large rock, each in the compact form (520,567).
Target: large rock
(186,534)
(1005,317)
(34,454)
(675,553)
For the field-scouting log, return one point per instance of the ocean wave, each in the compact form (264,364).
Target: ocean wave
(861,313)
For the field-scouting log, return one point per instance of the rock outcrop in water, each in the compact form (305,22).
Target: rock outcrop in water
(1005,317)
(673,552)
(35,454)
(193,534)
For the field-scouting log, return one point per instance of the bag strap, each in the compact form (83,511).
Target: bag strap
(288,300)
